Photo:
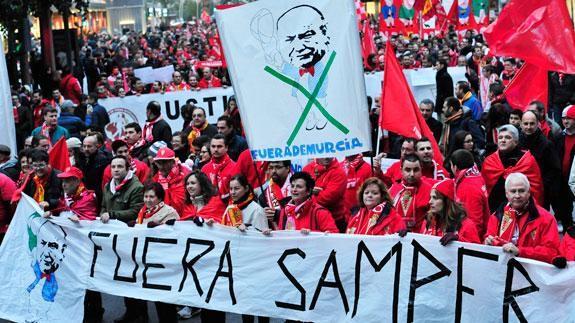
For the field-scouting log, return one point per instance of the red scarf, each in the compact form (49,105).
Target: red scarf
(433,229)
(45,130)
(117,188)
(352,165)
(511,221)
(148,127)
(137,144)
(166,180)
(275,193)
(70,200)
(233,214)
(293,212)
(148,212)
(367,219)
(218,167)
(544,127)
(472,171)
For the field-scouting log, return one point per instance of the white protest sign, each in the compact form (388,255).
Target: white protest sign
(163,74)
(297,73)
(421,81)
(318,277)
(145,74)
(133,108)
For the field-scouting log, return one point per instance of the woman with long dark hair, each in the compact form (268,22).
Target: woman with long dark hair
(447,218)
(464,140)
(201,200)
(376,215)
(243,211)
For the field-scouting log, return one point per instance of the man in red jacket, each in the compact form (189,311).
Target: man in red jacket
(411,195)
(76,199)
(470,188)
(357,171)
(221,167)
(140,169)
(170,175)
(209,80)
(70,87)
(329,190)
(522,227)
(303,212)
(393,173)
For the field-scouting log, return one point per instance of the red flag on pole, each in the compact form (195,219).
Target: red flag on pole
(540,32)
(530,84)
(367,43)
(399,111)
(59,157)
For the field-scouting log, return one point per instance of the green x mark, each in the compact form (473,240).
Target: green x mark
(312,98)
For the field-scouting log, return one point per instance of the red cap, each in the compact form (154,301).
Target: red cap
(446,187)
(71,172)
(569,112)
(165,153)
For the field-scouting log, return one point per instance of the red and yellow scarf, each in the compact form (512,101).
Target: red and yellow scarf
(40,182)
(195,133)
(367,219)
(233,214)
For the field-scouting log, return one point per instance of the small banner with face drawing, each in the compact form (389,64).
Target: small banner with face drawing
(45,266)
(297,72)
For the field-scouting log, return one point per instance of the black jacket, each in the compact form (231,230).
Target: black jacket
(436,127)
(444,86)
(561,93)
(547,159)
(162,132)
(93,168)
(52,190)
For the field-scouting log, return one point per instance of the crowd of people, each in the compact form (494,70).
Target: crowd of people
(504,170)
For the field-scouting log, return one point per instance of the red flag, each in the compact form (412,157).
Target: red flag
(206,17)
(540,32)
(367,43)
(399,111)
(530,84)
(59,157)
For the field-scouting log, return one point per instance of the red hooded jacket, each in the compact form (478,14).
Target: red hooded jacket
(332,183)
(538,235)
(471,192)
(174,186)
(313,217)
(70,88)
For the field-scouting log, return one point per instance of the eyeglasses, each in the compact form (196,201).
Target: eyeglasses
(39,166)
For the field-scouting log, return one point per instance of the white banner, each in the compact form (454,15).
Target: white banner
(421,81)
(45,266)
(133,108)
(8,135)
(297,72)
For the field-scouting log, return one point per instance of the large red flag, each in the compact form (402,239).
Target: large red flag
(530,84)
(399,111)
(540,32)
(367,43)
(59,157)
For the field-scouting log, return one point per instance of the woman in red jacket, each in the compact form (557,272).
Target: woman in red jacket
(376,215)
(446,218)
(201,199)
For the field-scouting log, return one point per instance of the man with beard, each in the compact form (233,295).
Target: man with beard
(93,165)
(509,158)
(236,143)
(468,99)
(454,120)
(277,188)
(221,167)
(533,139)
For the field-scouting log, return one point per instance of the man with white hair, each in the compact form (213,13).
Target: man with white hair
(509,158)
(522,227)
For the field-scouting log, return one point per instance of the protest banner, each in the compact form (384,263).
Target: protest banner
(421,81)
(318,277)
(133,108)
(297,74)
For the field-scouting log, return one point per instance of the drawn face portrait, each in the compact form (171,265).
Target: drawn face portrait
(50,248)
(302,44)
(463,3)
